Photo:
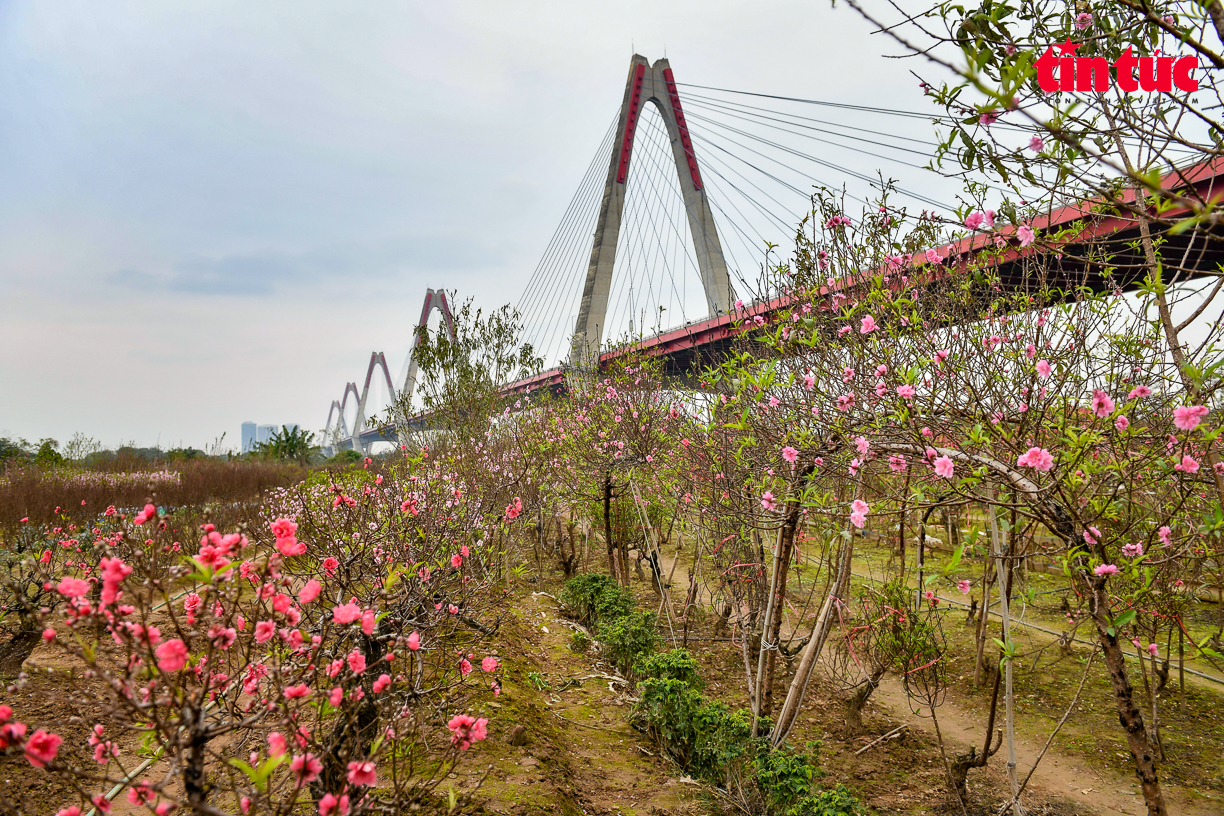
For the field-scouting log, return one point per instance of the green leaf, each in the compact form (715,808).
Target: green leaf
(1123,619)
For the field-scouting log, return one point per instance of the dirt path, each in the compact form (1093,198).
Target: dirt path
(1098,790)
(582,756)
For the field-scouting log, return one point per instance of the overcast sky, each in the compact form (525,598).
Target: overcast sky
(214,211)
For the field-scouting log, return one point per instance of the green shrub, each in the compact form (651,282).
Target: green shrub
(785,777)
(676,664)
(579,642)
(705,737)
(724,741)
(596,599)
(628,639)
(667,710)
(837,801)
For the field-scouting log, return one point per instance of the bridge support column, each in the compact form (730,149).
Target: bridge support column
(655,84)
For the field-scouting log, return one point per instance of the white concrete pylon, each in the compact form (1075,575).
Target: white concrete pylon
(647,83)
(337,426)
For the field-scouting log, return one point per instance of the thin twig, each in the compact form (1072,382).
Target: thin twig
(889,735)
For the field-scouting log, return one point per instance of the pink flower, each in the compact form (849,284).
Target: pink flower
(456,560)
(1083,20)
(290,547)
(414,641)
(944,467)
(964,586)
(346,614)
(42,748)
(335,696)
(858,513)
(48,634)
(1121,423)
(1037,458)
(1187,417)
(222,636)
(974,220)
(331,805)
(330,565)
(896,463)
(1105,569)
(933,256)
(306,767)
(1092,535)
(1102,405)
(310,591)
(298,691)
(264,630)
(283,528)
(1026,235)
(380,685)
(1165,535)
(1153,650)
(768,501)
(361,773)
(867,325)
(465,730)
(790,454)
(1139,391)
(72,587)
(465,666)
(72,810)
(172,655)
(489,664)
(905,391)
(113,573)
(368,620)
(1043,369)
(1132,550)
(149,511)
(276,743)
(356,661)
(1036,145)
(1188,464)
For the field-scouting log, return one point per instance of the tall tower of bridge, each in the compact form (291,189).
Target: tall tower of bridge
(654,84)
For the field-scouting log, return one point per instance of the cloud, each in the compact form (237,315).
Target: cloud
(350,267)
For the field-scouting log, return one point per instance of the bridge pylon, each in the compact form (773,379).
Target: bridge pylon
(647,83)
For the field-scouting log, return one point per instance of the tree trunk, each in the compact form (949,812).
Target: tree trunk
(854,706)
(789,712)
(14,653)
(963,762)
(981,671)
(1124,700)
(607,501)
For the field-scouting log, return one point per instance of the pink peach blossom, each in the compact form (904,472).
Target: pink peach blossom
(172,655)
(42,747)
(1188,417)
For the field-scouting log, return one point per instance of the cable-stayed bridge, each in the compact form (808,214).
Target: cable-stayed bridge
(669,226)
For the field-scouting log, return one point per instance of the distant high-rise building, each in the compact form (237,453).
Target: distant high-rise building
(248,436)
(263,434)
